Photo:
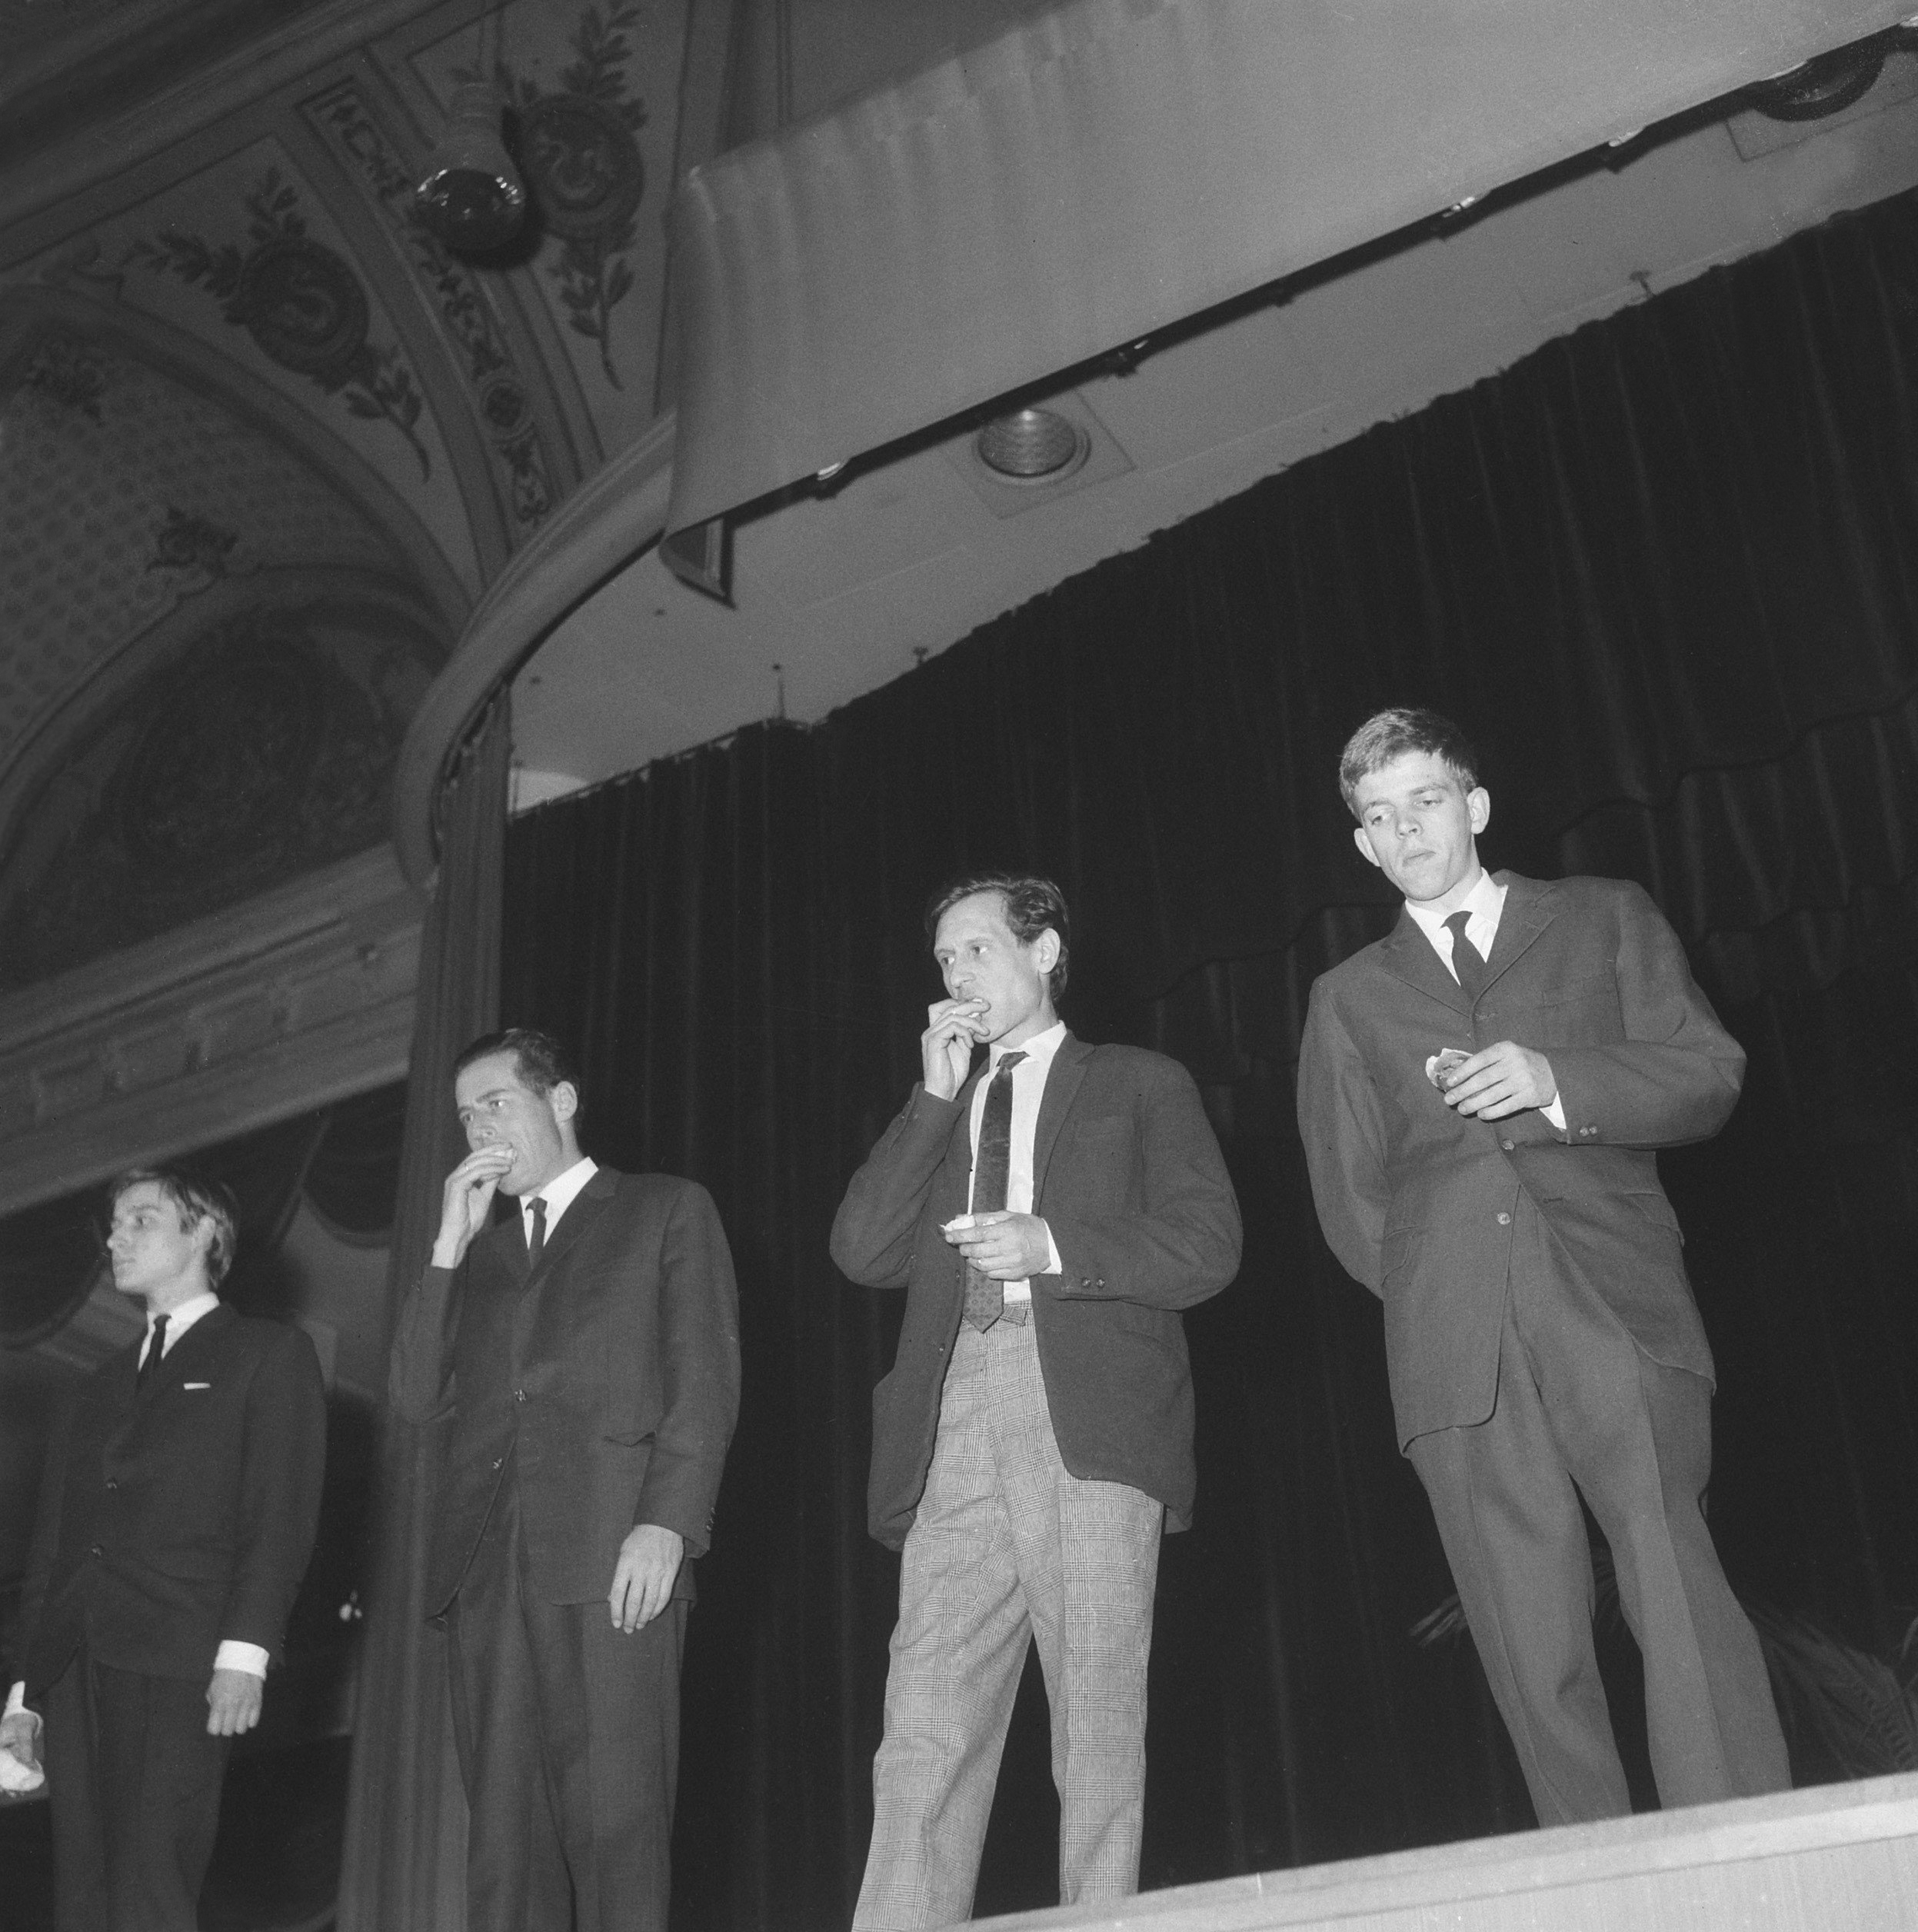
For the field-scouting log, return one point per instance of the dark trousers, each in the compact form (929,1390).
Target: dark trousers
(1581,1409)
(567,1732)
(133,1782)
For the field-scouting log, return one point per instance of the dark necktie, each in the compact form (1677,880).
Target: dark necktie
(985,1298)
(156,1349)
(1467,961)
(536,1240)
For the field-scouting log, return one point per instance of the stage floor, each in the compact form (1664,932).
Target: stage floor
(1837,1858)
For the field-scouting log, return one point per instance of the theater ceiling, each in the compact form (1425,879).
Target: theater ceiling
(286,483)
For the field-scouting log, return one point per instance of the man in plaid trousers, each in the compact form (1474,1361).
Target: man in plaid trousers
(1048,1217)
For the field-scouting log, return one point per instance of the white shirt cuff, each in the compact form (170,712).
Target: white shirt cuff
(17,1700)
(233,1655)
(1556,1112)
(1054,1264)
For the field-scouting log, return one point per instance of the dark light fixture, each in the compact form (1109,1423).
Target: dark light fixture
(1826,84)
(470,198)
(1031,446)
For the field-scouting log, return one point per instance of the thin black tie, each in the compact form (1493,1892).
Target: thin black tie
(1467,961)
(985,1298)
(536,1240)
(156,1349)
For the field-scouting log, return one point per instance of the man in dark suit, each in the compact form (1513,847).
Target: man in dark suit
(1048,1219)
(1480,1095)
(587,1351)
(179,1510)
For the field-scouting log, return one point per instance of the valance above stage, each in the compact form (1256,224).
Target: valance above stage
(1114,166)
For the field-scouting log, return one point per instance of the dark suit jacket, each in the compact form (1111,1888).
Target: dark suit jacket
(1127,1174)
(610,1372)
(182,1515)
(1418,1202)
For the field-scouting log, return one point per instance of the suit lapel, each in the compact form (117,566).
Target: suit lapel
(1529,907)
(196,1341)
(169,1372)
(1068,1070)
(586,1208)
(1406,954)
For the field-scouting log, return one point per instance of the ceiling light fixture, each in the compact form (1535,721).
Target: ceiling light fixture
(1032,445)
(1828,83)
(470,198)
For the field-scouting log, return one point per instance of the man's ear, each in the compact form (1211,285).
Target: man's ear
(1045,950)
(563,1097)
(1478,805)
(1364,845)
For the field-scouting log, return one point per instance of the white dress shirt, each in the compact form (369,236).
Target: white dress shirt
(1486,904)
(559,1193)
(178,1321)
(1028,1089)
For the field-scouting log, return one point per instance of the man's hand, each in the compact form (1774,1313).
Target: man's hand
(466,1202)
(233,1701)
(1504,1079)
(643,1578)
(1006,1247)
(945,1047)
(18,1729)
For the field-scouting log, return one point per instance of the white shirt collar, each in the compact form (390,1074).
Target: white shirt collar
(179,1320)
(1485,902)
(1040,1046)
(559,1195)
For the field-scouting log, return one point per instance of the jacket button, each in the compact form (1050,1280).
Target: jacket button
(499,1462)
(519,1395)
(1508,1145)
(113,1482)
(1505,1220)
(96,1551)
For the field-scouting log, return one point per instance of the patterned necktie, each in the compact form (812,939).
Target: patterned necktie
(985,1298)
(536,1241)
(1467,961)
(156,1349)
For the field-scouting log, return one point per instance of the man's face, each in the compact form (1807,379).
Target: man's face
(979,958)
(1419,825)
(155,1252)
(497,1109)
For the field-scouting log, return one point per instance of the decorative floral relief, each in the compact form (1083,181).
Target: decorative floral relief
(189,543)
(264,749)
(302,304)
(579,149)
(71,374)
(469,324)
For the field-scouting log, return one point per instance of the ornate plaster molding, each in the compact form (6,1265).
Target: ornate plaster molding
(301,996)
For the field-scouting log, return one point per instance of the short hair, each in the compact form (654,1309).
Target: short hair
(1389,735)
(540,1059)
(1033,905)
(193,1200)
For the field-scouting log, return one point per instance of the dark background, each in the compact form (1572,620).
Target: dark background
(1664,572)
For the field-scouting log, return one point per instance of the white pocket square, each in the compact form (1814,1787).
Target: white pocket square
(194,1385)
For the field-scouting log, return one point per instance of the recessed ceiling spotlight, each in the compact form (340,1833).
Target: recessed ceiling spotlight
(1032,445)
(1828,83)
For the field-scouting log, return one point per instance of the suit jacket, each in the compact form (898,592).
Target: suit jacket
(1128,1175)
(609,1372)
(183,1514)
(1419,1202)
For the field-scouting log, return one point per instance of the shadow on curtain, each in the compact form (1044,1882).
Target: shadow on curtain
(1663,570)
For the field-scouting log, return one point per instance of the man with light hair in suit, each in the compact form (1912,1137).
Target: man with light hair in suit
(177,1513)
(1481,1095)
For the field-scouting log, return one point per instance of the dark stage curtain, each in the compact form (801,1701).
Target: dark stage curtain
(403,1863)
(1664,571)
